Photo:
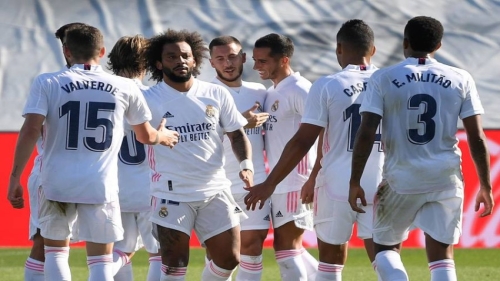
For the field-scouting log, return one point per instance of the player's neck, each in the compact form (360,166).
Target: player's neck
(420,55)
(128,74)
(356,60)
(179,86)
(282,74)
(231,84)
(90,62)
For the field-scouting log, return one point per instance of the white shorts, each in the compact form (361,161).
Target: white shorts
(288,207)
(334,220)
(439,214)
(208,217)
(138,232)
(34,180)
(98,223)
(257,219)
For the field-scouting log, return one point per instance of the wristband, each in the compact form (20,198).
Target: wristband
(157,140)
(246,164)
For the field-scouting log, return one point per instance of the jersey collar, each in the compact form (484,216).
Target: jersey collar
(86,67)
(294,77)
(360,67)
(420,61)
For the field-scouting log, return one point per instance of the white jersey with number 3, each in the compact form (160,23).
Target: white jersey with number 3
(193,169)
(285,104)
(248,95)
(84,109)
(420,101)
(333,103)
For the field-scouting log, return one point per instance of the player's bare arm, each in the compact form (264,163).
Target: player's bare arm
(146,134)
(363,144)
(242,149)
(296,148)
(29,134)
(255,119)
(307,191)
(481,157)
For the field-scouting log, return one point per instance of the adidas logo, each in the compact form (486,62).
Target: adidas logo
(267,218)
(237,210)
(279,215)
(168,115)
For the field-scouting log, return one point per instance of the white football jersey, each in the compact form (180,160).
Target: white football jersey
(333,103)
(133,171)
(37,162)
(84,109)
(249,94)
(420,101)
(193,169)
(285,104)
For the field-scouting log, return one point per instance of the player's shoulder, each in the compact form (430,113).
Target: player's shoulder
(461,74)
(212,88)
(256,88)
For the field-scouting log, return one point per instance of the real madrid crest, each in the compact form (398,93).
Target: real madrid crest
(275,105)
(163,212)
(210,111)
(259,108)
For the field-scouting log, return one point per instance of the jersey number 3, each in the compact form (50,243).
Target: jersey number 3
(425,118)
(71,110)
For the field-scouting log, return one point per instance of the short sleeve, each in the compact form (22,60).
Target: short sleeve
(138,111)
(471,104)
(37,102)
(300,97)
(316,108)
(373,100)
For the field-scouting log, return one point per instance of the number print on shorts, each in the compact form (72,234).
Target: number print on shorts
(352,114)
(71,110)
(430,108)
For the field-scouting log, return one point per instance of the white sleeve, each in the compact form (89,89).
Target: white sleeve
(316,108)
(471,104)
(230,118)
(373,100)
(138,111)
(38,99)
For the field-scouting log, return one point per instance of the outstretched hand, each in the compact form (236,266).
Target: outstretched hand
(255,119)
(168,137)
(258,195)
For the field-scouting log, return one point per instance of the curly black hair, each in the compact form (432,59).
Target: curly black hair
(155,48)
(358,35)
(424,33)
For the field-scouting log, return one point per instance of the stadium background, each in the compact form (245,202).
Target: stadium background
(472,41)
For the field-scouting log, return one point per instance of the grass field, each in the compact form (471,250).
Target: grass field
(472,265)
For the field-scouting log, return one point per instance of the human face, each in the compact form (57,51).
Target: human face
(267,66)
(177,62)
(228,61)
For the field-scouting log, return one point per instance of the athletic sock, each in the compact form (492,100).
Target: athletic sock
(328,271)
(310,263)
(125,273)
(120,259)
(173,273)
(33,270)
(100,267)
(374,265)
(214,273)
(56,265)
(390,266)
(291,265)
(250,268)
(154,271)
(443,270)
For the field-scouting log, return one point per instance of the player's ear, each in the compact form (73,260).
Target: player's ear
(374,49)
(102,52)
(211,63)
(406,43)
(159,65)
(338,51)
(66,51)
(285,60)
(244,57)
(438,46)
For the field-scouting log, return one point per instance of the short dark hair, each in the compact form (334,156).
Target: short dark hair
(85,42)
(424,33)
(223,40)
(358,35)
(128,55)
(61,32)
(280,45)
(155,48)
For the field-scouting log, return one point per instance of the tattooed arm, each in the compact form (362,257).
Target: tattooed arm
(242,149)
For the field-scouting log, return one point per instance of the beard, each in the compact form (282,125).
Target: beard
(176,78)
(227,79)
